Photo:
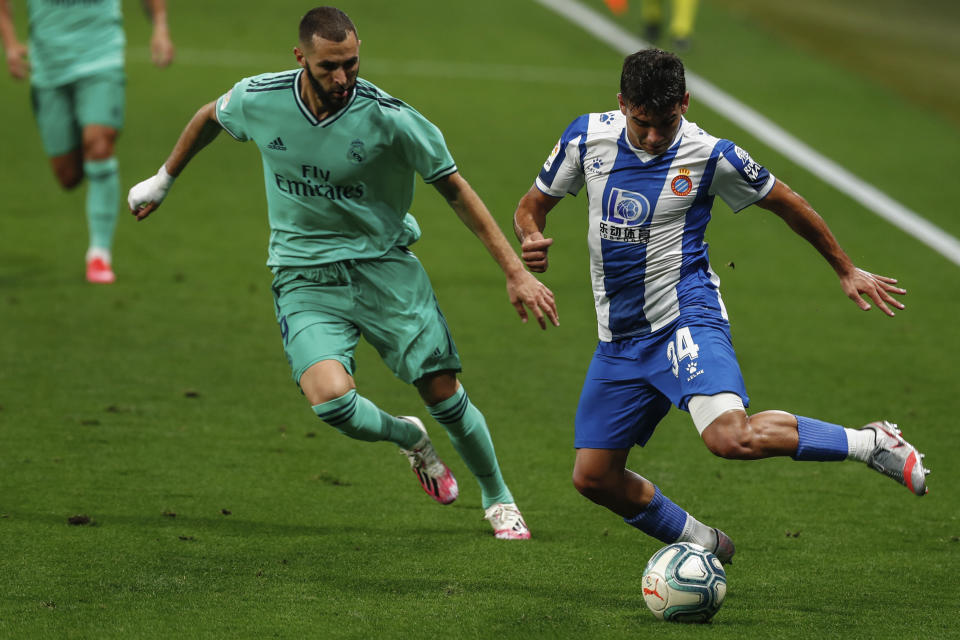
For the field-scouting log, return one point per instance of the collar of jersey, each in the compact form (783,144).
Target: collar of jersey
(645,157)
(305,110)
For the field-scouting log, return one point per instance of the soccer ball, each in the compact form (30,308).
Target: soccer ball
(683,582)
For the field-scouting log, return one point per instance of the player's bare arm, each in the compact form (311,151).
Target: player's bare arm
(522,287)
(529,221)
(146,196)
(161,46)
(808,224)
(16,51)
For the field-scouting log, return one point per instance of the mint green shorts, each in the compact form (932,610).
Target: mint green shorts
(62,112)
(322,312)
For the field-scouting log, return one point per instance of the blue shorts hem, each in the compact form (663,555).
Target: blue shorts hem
(597,444)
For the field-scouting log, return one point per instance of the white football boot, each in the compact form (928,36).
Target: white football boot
(896,458)
(507,521)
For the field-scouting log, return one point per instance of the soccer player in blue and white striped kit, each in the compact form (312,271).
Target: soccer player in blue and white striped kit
(651,178)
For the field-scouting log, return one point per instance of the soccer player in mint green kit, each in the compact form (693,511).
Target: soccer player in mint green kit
(339,164)
(76,58)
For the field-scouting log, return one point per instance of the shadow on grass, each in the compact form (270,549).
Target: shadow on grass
(226,525)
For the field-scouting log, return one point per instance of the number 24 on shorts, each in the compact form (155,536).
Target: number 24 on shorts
(682,346)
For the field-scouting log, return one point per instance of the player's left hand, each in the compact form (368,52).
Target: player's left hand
(859,283)
(525,290)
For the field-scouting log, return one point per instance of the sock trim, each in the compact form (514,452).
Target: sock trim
(339,410)
(452,409)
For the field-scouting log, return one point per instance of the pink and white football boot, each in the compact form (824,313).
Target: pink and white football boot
(507,521)
(434,476)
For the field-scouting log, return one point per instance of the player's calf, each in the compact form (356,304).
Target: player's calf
(735,436)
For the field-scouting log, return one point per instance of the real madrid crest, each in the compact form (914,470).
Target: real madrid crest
(357,152)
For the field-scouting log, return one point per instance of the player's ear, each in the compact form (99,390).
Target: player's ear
(298,54)
(685,103)
(623,105)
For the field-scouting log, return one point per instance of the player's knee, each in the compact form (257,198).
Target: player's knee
(319,394)
(436,387)
(326,381)
(591,485)
(98,150)
(98,143)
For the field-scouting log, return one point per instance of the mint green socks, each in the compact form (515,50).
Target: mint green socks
(471,438)
(103,199)
(353,415)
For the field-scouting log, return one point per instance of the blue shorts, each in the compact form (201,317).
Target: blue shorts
(631,383)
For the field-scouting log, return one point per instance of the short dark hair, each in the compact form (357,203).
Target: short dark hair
(327,22)
(652,79)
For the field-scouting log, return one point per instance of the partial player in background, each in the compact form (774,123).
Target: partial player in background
(341,159)
(75,62)
(683,14)
(651,178)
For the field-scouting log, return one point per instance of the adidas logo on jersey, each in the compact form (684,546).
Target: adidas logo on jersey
(277,145)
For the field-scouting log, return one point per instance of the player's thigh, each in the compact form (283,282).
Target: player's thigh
(311,306)
(54,110)
(399,315)
(701,361)
(101,100)
(618,408)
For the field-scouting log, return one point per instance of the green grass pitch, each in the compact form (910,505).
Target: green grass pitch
(161,407)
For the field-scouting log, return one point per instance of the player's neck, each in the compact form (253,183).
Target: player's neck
(317,106)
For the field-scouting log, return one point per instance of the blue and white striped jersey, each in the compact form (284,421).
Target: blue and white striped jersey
(647,217)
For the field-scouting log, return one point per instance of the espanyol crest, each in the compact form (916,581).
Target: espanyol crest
(626,208)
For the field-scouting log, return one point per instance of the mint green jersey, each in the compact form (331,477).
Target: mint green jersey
(338,188)
(72,39)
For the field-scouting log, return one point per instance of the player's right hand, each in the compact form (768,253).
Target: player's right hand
(161,48)
(17,61)
(524,290)
(144,197)
(533,250)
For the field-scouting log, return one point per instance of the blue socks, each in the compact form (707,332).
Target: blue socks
(820,441)
(662,519)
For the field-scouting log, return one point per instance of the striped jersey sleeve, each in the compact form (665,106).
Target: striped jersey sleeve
(562,173)
(739,180)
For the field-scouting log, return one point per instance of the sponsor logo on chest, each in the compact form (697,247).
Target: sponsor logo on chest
(624,216)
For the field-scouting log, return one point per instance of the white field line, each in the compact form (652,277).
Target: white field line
(750,120)
(253,63)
